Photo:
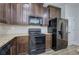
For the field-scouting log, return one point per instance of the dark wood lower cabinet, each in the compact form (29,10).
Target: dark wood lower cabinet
(13,48)
(48,41)
(19,45)
(22,44)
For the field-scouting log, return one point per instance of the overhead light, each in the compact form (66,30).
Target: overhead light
(26,5)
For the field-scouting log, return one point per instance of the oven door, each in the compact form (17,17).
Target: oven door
(37,44)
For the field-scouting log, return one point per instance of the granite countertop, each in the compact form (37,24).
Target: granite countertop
(6,38)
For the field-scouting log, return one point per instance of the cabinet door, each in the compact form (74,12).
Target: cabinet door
(58,12)
(26,9)
(19,45)
(54,12)
(37,9)
(2,13)
(19,14)
(13,49)
(45,16)
(48,41)
(8,13)
(22,45)
(23,13)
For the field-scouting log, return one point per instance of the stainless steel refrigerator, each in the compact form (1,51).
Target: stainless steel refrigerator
(59,29)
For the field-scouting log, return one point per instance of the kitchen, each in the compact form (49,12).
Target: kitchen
(18,20)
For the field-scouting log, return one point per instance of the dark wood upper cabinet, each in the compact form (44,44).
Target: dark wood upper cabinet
(13,13)
(37,9)
(2,11)
(8,13)
(18,14)
(54,12)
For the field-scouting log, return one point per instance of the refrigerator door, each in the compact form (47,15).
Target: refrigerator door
(62,36)
(65,34)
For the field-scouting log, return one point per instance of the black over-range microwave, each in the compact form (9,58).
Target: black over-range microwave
(35,20)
